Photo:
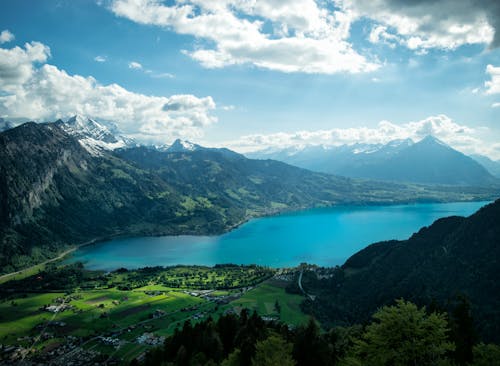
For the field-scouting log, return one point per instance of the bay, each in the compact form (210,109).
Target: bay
(326,236)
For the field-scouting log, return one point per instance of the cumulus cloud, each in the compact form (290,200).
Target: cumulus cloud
(312,36)
(423,24)
(285,35)
(36,90)
(17,64)
(6,36)
(462,137)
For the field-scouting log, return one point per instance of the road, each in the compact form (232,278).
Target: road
(312,297)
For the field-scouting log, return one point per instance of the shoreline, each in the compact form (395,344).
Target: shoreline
(7,276)
(270,213)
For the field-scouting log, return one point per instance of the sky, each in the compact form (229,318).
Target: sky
(254,74)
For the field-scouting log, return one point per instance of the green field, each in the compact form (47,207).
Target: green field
(92,312)
(125,305)
(264,297)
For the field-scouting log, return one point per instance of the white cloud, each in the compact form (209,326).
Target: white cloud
(462,137)
(288,36)
(379,34)
(422,25)
(134,65)
(157,75)
(162,75)
(6,36)
(100,59)
(312,36)
(16,64)
(46,93)
(493,86)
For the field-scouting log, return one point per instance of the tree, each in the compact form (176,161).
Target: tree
(310,348)
(273,351)
(402,335)
(233,359)
(486,355)
(277,307)
(463,333)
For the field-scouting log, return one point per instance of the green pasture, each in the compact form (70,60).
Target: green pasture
(263,298)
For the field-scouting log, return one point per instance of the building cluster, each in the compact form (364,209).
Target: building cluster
(150,339)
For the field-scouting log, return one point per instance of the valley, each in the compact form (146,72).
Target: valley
(67,313)
(51,179)
(249,183)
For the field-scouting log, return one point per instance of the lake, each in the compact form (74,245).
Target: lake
(326,236)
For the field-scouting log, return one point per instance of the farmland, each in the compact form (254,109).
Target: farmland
(65,312)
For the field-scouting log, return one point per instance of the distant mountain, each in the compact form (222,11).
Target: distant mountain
(57,190)
(491,165)
(92,135)
(429,161)
(6,125)
(454,256)
(180,146)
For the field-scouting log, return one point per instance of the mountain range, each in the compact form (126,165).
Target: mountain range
(66,183)
(428,161)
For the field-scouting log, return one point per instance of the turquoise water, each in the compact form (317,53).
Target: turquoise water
(326,237)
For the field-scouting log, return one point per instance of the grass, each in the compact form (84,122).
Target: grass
(126,314)
(21,316)
(264,297)
(31,271)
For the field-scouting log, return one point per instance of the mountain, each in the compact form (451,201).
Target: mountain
(180,146)
(6,125)
(491,165)
(429,161)
(56,191)
(455,256)
(92,135)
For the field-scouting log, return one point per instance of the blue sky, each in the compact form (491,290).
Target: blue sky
(310,72)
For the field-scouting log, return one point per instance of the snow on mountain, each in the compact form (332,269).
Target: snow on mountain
(94,136)
(183,145)
(180,146)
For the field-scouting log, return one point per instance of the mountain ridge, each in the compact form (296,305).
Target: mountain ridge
(428,161)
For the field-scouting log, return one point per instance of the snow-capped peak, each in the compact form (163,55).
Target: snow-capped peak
(92,135)
(181,146)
